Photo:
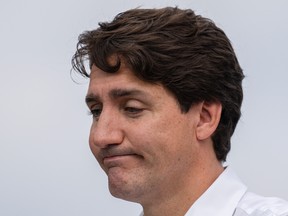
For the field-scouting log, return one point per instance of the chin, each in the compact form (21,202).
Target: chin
(125,191)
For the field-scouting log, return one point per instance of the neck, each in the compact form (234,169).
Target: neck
(176,199)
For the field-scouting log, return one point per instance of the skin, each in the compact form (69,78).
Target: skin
(152,153)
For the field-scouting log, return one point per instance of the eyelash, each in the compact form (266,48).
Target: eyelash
(95,113)
(132,112)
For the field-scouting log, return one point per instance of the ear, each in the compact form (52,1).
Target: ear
(210,114)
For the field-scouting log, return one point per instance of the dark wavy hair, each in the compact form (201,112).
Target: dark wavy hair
(186,53)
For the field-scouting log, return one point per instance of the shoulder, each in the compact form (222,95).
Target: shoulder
(254,205)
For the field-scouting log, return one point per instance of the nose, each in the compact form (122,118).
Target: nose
(106,130)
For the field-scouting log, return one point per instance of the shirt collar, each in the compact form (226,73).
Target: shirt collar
(221,198)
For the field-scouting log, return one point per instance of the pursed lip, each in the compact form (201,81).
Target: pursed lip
(116,157)
(113,157)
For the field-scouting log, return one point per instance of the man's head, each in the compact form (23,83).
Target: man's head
(186,53)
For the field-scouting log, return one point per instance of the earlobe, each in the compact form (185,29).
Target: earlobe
(210,114)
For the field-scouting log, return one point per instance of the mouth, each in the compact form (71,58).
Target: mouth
(118,160)
(116,157)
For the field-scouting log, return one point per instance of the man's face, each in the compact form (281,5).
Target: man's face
(139,136)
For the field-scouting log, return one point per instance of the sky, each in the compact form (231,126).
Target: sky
(46,167)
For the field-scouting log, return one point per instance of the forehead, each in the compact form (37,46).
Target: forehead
(124,77)
(98,74)
(113,87)
(121,83)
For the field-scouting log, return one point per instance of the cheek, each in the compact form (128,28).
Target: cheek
(94,149)
(173,137)
(156,137)
(91,145)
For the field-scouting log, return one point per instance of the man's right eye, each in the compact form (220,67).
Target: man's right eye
(96,112)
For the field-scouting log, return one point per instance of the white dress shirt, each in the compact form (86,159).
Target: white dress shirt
(228,196)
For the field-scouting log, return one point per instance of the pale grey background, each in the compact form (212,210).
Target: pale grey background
(46,167)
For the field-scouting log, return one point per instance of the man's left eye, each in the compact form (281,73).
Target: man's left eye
(133,110)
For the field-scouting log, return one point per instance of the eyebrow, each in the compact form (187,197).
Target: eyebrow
(116,94)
